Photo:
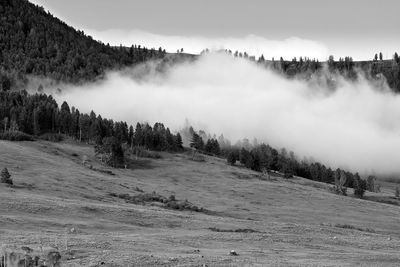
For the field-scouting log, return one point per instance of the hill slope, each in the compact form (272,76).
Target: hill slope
(297,222)
(35,42)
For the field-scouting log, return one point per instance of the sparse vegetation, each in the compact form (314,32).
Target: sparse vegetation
(240,230)
(348,226)
(171,202)
(52,137)
(139,151)
(16,136)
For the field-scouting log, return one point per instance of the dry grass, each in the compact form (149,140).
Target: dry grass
(294,220)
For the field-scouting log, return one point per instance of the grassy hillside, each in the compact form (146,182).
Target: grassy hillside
(58,201)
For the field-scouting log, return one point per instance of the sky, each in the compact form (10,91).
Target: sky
(313,28)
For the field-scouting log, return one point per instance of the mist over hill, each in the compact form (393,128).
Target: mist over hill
(338,111)
(353,125)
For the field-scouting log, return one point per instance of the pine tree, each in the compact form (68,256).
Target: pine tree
(179,142)
(130,136)
(5,177)
(197,142)
(231,158)
(396,58)
(359,186)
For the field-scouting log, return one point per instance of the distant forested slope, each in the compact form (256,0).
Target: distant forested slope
(306,68)
(33,41)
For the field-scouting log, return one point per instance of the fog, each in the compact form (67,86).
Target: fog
(355,126)
(253,44)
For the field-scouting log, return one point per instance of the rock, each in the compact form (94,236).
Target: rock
(27,249)
(389,238)
(335,237)
(53,258)
(233,253)
(73,230)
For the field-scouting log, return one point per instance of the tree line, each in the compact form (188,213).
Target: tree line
(306,68)
(264,158)
(40,114)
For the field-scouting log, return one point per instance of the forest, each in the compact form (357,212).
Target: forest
(34,42)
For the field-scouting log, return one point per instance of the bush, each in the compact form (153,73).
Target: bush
(231,158)
(16,136)
(287,175)
(5,177)
(144,153)
(360,186)
(52,137)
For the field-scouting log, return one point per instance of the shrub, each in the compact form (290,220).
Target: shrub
(397,192)
(359,186)
(16,136)
(52,137)
(5,177)
(288,175)
(144,153)
(231,158)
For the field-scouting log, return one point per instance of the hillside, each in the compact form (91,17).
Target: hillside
(35,42)
(58,201)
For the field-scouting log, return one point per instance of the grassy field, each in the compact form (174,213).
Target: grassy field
(59,202)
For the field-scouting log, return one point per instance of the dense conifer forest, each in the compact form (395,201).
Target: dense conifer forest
(35,42)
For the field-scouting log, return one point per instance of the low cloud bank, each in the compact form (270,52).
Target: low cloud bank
(355,126)
(252,44)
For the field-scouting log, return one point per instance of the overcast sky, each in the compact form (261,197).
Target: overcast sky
(359,28)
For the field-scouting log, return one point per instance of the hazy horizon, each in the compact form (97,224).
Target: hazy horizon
(274,28)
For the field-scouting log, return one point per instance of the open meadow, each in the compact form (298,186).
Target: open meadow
(57,201)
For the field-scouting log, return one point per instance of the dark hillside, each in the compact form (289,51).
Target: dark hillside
(33,41)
